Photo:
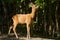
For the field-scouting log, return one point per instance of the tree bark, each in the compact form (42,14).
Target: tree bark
(56,16)
(4,8)
(44,21)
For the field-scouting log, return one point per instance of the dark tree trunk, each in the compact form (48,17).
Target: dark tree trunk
(4,8)
(56,16)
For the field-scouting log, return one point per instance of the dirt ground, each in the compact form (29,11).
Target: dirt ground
(21,38)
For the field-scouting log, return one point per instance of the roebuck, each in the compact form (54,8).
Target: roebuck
(23,18)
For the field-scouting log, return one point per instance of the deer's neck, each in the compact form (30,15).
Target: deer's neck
(33,13)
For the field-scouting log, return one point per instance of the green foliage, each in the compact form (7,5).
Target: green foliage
(22,1)
(52,1)
(58,35)
(40,3)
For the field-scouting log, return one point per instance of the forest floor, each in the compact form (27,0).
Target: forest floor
(5,37)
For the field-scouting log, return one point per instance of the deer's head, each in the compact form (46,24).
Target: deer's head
(33,6)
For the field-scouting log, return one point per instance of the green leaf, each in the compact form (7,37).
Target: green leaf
(40,3)
(22,1)
(52,1)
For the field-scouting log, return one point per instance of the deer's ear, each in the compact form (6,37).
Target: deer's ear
(31,4)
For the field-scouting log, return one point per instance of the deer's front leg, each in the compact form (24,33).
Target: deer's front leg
(28,31)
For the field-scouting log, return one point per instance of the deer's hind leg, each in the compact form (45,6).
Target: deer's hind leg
(14,29)
(10,29)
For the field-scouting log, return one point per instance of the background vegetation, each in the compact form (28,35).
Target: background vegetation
(46,21)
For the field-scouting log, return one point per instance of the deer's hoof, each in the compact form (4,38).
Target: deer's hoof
(17,37)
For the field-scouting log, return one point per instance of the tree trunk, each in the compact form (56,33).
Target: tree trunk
(4,8)
(44,21)
(56,16)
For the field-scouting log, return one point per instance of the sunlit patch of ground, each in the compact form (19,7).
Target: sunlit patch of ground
(22,38)
(6,37)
